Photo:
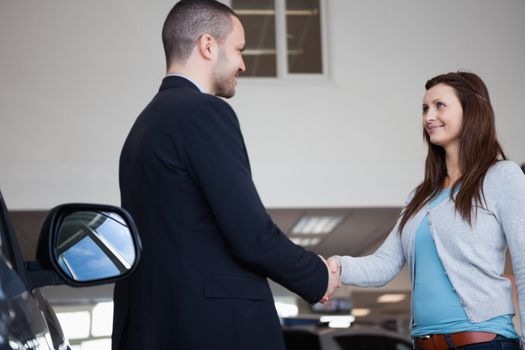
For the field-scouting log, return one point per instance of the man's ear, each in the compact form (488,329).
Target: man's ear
(207,46)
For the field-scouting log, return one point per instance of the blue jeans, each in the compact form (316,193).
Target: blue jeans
(498,343)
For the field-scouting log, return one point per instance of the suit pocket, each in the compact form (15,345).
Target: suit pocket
(221,286)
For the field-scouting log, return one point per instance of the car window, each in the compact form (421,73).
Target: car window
(1,240)
(371,342)
(4,251)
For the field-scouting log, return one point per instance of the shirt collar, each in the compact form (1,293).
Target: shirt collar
(199,86)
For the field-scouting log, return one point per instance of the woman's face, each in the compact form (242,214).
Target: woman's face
(442,116)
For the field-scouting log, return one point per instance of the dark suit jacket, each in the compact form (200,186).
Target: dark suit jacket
(209,244)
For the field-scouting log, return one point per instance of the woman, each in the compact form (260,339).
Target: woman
(455,227)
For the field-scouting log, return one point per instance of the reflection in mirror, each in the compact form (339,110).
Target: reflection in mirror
(94,245)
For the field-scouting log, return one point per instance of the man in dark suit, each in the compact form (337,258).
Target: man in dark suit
(208,243)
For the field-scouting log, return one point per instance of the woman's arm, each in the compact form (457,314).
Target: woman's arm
(377,269)
(510,210)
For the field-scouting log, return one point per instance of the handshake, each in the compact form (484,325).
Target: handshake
(333,266)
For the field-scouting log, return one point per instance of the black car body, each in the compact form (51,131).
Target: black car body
(79,245)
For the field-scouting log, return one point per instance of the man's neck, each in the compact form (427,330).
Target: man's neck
(196,75)
(194,82)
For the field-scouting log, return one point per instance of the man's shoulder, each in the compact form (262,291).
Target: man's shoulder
(206,107)
(190,99)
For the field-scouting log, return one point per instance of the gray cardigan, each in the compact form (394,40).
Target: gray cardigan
(473,257)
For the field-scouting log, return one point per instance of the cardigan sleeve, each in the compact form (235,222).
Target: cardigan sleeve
(377,269)
(382,266)
(510,210)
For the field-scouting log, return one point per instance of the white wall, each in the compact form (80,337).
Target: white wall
(75,74)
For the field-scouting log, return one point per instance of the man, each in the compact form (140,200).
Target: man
(209,244)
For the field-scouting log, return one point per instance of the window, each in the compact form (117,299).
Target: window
(87,326)
(283,37)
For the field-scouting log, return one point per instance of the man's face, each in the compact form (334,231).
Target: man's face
(229,62)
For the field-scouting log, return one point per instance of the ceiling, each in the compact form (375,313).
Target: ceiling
(360,229)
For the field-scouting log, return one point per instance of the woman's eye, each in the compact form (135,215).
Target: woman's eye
(425,109)
(440,104)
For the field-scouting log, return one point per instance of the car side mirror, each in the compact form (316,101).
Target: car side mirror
(93,245)
(85,244)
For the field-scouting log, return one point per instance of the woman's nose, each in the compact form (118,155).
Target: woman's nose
(430,115)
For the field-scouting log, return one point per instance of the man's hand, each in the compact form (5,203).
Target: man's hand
(334,277)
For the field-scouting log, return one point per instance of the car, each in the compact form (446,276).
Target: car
(353,338)
(79,245)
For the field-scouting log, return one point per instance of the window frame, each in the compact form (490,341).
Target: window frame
(281,47)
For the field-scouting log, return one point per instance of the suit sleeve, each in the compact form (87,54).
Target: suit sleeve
(218,161)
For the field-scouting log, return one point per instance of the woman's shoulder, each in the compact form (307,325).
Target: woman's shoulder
(504,175)
(504,170)
(410,196)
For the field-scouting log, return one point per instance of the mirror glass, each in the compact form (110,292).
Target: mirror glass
(93,245)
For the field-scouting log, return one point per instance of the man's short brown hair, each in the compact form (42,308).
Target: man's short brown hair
(188,20)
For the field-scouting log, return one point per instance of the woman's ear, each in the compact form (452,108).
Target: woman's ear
(207,46)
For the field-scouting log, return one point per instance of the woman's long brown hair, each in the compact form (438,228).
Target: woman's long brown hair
(479,149)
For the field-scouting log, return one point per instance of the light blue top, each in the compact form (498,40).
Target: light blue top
(436,306)
(473,255)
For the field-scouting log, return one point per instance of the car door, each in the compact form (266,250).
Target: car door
(22,321)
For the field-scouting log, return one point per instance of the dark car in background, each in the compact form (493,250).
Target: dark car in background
(79,245)
(353,338)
